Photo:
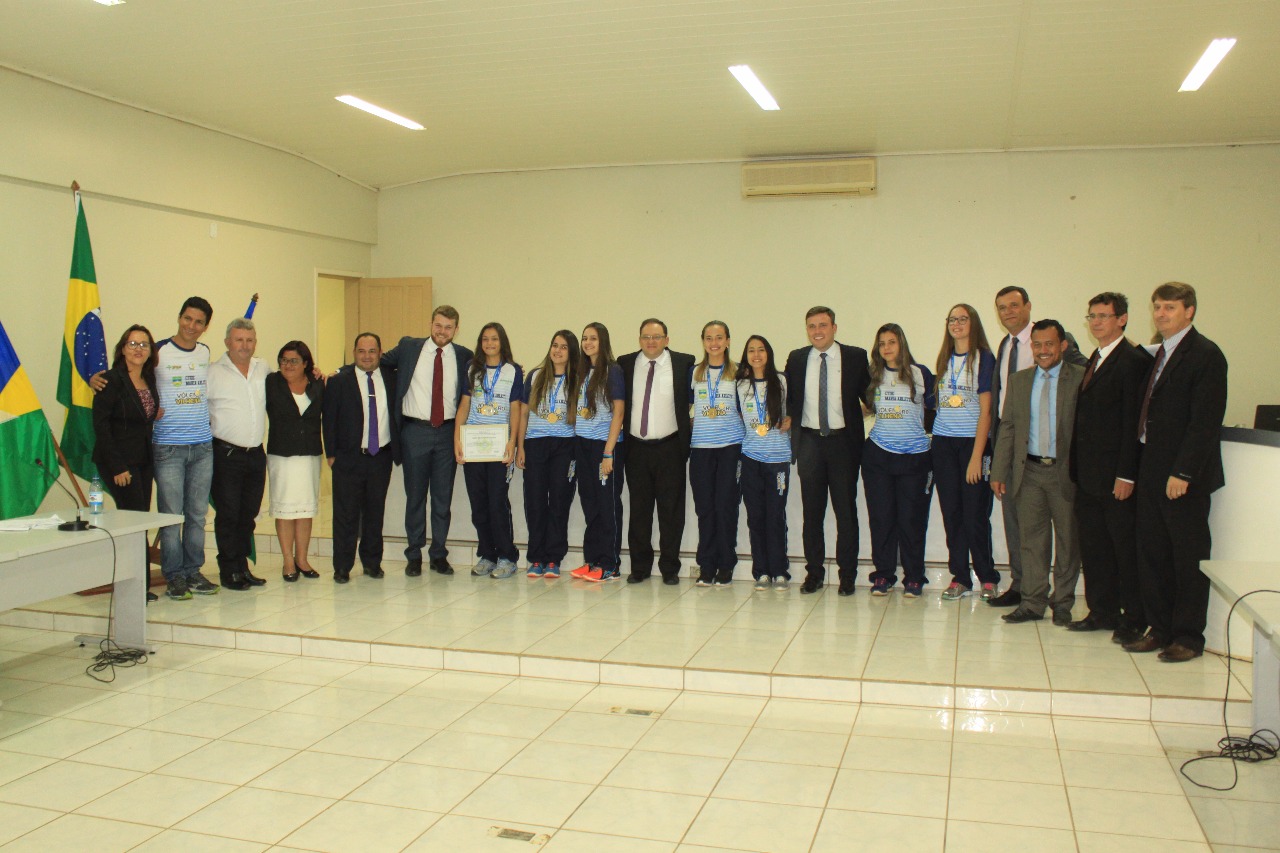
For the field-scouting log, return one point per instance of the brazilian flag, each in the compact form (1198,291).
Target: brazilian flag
(84,352)
(24,438)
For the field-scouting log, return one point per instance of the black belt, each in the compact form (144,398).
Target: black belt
(640,440)
(235,447)
(818,432)
(425,423)
(1042,460)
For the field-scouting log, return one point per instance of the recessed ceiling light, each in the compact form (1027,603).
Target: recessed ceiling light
(1213,54)
(373,109)
(754,87)
(109,2)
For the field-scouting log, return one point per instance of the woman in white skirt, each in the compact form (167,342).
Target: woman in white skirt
(294,398)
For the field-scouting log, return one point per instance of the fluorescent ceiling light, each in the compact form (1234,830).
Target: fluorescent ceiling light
(353,101)
(1213,54)
(109,2)
(754,87)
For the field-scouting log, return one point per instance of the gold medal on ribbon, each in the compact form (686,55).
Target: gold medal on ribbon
(762,430)
(552,418)
(955,401)
(711,412)
(488,409)
(584,412)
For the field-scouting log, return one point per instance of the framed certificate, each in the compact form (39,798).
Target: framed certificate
(484,442)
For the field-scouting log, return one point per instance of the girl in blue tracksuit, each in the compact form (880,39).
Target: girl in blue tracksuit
(716,444)
(960,452)
(546,450)
(601,400)
(766,462)
(493,396)
(897,476)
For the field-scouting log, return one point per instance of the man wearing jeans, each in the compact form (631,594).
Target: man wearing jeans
(183,450)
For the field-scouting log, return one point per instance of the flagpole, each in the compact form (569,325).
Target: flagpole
(62,461)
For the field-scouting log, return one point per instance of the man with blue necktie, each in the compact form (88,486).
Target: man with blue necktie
(1030,469)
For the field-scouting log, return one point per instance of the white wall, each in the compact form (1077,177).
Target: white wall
(679,242)
(153,189)
(539,251)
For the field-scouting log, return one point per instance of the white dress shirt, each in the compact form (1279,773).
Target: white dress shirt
(384,412)
(417,402)
(662,400)
(238,403)
(1103,352)
(835,405)
(1025,360)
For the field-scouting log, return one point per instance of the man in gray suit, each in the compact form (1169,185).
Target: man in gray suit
(1030,468)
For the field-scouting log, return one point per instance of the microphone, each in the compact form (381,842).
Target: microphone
(79,523)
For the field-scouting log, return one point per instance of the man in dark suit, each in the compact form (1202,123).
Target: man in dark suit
(1030,468)
(1179,423)
(430,380)
(656,421)
(360,441)
(826,382)
(1013,353)
(1104,467)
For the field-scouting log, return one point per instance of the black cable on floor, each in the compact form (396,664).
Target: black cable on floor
(109,654)
(1262,745)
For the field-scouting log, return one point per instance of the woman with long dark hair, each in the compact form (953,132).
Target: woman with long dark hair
(123,412)
(546,450)
(295,399)
(765,462)
(598,428)
(715,447)
(495,386)
(960,453)
(896,469)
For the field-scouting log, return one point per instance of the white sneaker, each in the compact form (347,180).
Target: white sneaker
(762,582)
(781,583)
(504,569)
(483,567)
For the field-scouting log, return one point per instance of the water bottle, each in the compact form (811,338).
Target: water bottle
(95,496)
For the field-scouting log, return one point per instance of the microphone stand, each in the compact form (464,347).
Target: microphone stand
(67,526)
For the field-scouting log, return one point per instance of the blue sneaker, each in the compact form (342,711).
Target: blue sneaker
(880,586)
(551,571)
(912,589)
(535,571)
(504,569)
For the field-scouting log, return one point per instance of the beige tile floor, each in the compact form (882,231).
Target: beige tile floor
(212,749)
(900,651)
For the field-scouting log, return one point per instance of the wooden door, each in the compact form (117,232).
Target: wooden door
(391,307)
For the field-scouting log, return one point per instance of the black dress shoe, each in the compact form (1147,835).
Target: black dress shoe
(308,572)
(293,578)
(1062,618)
(442,566)
(341,577)
(1008,598)
(237,582)
(373,572)
(1019,616)
(846,588)
(1123,635)
(1092,623)
(414,568)
(151,596)
(1178,653)
(810,585)
(635,578)
(253,579)
(671,580)
(1144,645)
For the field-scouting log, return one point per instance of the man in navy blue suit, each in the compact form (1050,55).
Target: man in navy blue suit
(431,374)
(360,441)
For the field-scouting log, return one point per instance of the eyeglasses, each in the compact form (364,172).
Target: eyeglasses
(291,362)
(652,339)
(957,321)
(1100,316)
(138,344)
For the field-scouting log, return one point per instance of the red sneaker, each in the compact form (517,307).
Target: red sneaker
(595,576)
(581,571)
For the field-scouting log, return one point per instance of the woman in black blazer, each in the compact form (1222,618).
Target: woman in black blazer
(123,412)
(294,450)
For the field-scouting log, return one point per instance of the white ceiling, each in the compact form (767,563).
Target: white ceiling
(519,84)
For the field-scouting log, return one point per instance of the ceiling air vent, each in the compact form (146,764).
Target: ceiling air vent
(856,176)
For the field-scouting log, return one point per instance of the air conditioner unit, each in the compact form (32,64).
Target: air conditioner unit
(854,176)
